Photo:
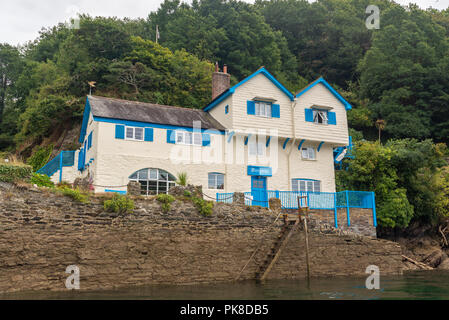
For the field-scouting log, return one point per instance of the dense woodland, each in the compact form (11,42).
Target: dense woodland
(396,78)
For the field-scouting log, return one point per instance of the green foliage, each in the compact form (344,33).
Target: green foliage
(407,176)
(120,204)
(182,179)
(14,172)
(41,180)
(75,194)
(205,208)
(40,157)
(187,193)
(165,200)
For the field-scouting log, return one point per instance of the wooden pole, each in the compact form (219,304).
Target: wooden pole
(306,236)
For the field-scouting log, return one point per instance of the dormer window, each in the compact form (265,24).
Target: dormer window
(320,116)
(263,109)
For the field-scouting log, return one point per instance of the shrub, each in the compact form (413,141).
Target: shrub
(166,200)
(41,180)
(13,172)
(40,157)
(187,193)
(182,179)
(120,204)
(204,207)
(75,194)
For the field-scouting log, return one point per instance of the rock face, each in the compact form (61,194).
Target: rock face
(190,190)
(133,188)
(42,233)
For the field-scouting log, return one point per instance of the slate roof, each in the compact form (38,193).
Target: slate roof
(152,113)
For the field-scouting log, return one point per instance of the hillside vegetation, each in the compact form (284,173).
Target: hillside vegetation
(396,78)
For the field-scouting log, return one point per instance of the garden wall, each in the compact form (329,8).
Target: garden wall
(41,233)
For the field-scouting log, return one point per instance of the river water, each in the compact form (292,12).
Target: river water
(414,285)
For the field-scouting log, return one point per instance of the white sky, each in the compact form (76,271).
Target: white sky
(21,20)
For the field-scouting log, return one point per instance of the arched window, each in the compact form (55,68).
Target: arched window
(153,181)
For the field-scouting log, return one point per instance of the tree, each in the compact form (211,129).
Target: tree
(10,65)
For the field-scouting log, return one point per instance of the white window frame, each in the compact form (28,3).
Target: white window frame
(306,185)
(263,109)
(320,114)
(134,133)
(184,134)
(214,176)
(154,175)
(308,153)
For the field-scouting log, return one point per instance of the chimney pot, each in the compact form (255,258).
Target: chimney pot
(221,81)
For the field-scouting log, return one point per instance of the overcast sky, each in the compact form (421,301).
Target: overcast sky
(21,20)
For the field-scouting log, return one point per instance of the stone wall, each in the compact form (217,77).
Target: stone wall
(41,233)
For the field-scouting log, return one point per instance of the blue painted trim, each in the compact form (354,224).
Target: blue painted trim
(268,141)
(247,138)
(219,99)
(285,143)
(60,165)
(335,211)
(305,180)
(116,191)
(86,114)
(328,86)
(232,89)
(259,171)
(230,136)
(347,208)
(154,125)
(300,144)
(319,146)
(374,209)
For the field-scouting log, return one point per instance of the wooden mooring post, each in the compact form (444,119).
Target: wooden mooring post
(306,235)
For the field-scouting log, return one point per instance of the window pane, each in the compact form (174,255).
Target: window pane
(198,139)
(179,137)
(163,175)
(153,174)
(304,153)
(188,139)
(138,133)
(268,109)
(295,185)
(129,133)
(309,185)
(152,187)
(302,185)
(162,186)
(316,186)
(211,179)
(311,153)
(143,174)
(133,176)
(143,187)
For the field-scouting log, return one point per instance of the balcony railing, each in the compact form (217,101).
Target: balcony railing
(314,200)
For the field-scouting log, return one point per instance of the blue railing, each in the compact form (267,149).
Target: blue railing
(314,200)
(63,159)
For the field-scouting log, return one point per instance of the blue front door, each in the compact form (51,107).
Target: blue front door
(259,191)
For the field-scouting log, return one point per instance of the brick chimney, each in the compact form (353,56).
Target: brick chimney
(221,81)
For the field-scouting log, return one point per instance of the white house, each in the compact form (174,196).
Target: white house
(252,137)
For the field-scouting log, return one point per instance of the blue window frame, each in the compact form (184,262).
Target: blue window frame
(306,185)
(226,109)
